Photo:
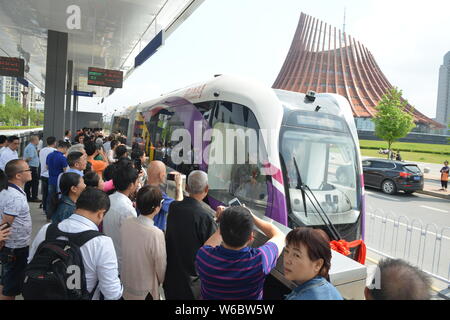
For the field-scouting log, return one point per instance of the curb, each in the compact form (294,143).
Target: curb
(435,194)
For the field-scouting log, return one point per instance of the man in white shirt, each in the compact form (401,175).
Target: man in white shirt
(10,152)
(3,143)
(14,209)
(99,256)
(51,146)
(126,180)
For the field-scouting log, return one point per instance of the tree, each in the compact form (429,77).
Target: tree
(392,122)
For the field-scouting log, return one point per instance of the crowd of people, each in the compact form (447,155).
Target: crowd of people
(135,242)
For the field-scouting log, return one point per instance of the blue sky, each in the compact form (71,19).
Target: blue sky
(252,37)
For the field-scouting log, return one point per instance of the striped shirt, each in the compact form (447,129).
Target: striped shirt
(227,274)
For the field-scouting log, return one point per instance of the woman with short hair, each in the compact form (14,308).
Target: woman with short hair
(307,261)
(144,258)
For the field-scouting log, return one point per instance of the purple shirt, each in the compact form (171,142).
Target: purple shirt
(235,275)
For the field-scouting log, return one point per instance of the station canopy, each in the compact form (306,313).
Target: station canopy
(112,32)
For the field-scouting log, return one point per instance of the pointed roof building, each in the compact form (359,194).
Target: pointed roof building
(322,58)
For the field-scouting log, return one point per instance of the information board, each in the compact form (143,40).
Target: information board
(105,78)
(11,67)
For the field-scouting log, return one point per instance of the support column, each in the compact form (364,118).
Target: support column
(74,112)
(55,84)
(68,118)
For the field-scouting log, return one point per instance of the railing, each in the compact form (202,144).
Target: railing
(426,246)
(24,136)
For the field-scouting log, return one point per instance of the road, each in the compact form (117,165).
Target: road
(409,227)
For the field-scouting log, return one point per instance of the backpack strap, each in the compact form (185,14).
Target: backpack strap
(78,238)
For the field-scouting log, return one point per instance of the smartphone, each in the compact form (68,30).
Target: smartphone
(5,225)
(234,202)
(171,177)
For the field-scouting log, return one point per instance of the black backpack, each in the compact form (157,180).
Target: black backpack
(57,270)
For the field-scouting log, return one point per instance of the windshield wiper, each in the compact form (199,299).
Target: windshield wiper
(301,186)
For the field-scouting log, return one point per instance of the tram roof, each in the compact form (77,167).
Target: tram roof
(112,33)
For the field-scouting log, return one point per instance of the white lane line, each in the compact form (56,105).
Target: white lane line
(381,196)
(435,209)
(405,225)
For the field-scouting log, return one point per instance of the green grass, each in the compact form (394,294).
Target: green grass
(18,127)
(410,156)
(407,147)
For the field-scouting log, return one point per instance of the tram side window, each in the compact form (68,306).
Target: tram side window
(159,134)
(242,177)
(120,125)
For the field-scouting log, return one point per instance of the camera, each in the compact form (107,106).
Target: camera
(171,177)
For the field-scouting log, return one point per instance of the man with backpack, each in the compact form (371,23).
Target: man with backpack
(88,267)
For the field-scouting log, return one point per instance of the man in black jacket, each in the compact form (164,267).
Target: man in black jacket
(189,224)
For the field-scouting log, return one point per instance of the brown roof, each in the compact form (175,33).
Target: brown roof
(324,59)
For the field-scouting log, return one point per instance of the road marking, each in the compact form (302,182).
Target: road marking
(431,208)
(405,225)
(381,196)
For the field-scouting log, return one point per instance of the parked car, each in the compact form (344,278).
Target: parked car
(391,176)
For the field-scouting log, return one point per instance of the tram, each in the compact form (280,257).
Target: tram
(264,146)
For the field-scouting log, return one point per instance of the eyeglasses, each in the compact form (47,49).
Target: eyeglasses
(24,170)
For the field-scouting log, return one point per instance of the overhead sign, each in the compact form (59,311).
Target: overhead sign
(83,93)
(11,67)
(105,77)
(149,49)
(23,81)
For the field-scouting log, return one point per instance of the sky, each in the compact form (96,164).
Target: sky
(252,38)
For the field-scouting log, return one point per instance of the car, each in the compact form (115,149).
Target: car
(392,176)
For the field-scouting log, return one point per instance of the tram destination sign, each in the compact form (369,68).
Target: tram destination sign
(105,78)
(12,67)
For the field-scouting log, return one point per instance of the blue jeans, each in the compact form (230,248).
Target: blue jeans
(51,201)
(44,184)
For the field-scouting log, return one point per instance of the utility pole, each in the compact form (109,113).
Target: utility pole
(26,121)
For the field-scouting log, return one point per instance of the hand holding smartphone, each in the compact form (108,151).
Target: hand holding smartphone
(5,225)
(234,202)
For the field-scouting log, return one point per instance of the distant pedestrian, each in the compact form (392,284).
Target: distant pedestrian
(67,136)
(30,155)
(398,157)
(10,152)
(51,146)
(444,176)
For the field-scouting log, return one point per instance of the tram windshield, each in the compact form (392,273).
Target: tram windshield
(326,157)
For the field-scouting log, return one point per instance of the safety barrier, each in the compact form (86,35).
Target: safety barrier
(426,246)
(24,136)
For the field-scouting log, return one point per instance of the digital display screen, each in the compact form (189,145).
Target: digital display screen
(12,67)
(105,78)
